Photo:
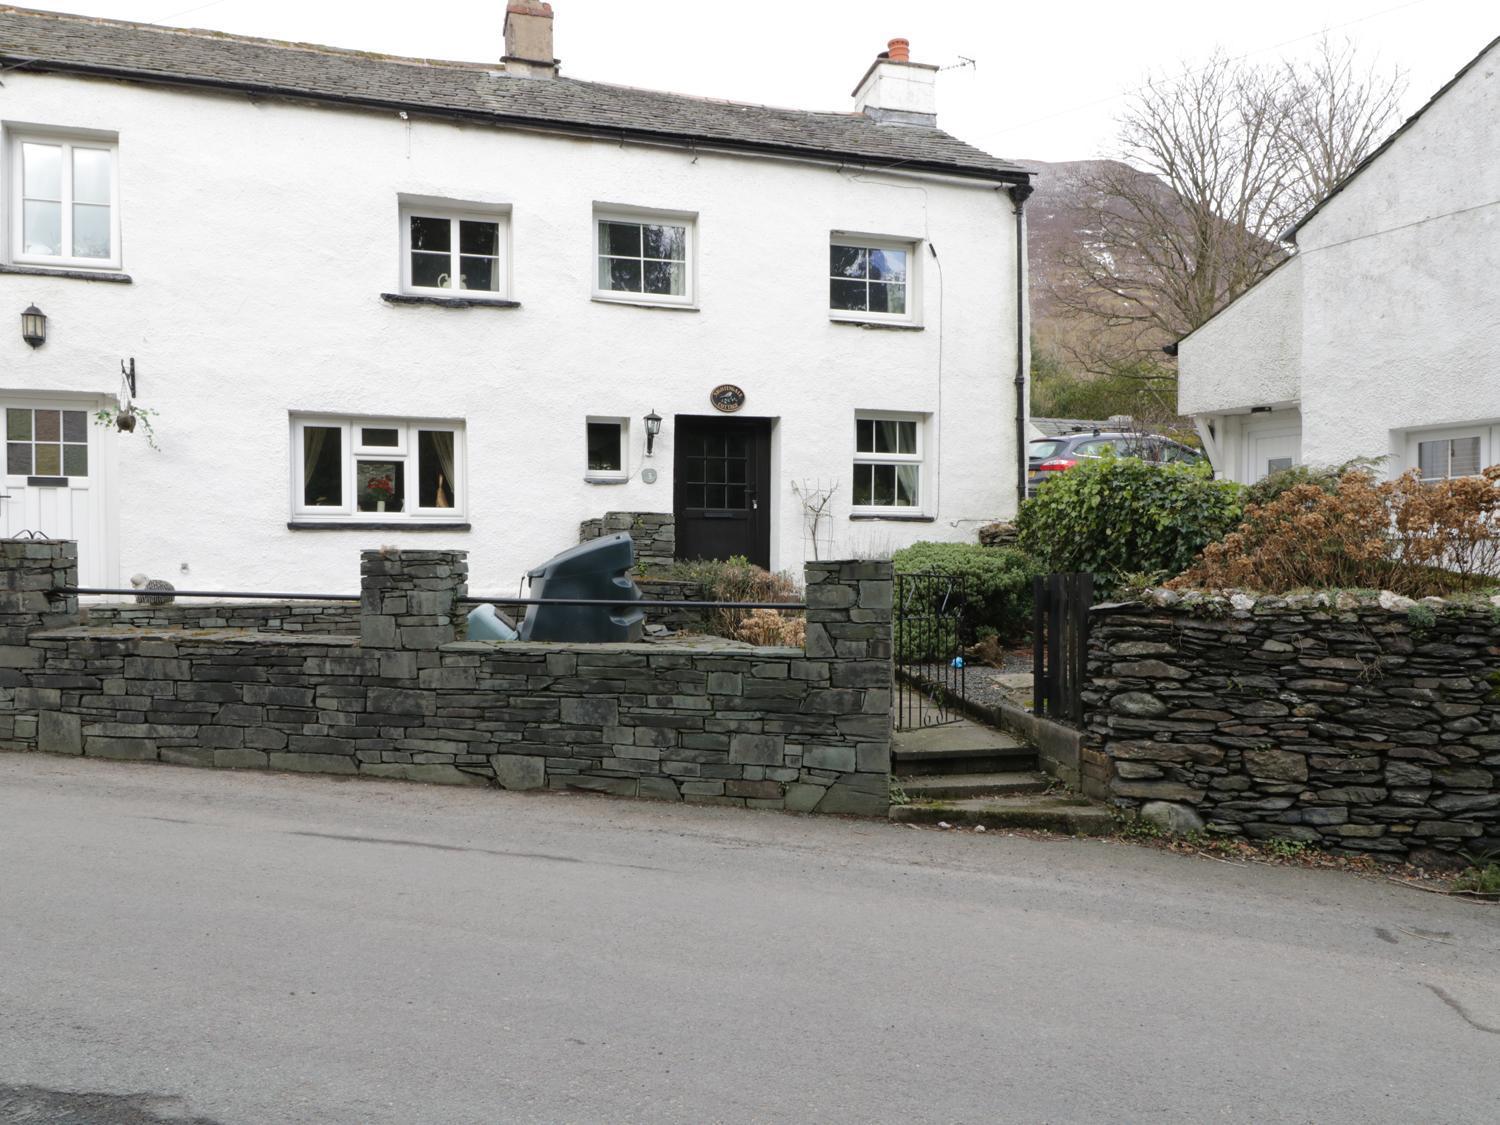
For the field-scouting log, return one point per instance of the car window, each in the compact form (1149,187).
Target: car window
(1095,448)
(1171,451)
(1045,447)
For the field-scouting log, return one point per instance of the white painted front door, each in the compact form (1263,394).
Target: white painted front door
(54,481)
(1271,452)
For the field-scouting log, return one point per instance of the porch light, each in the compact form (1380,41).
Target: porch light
(34,326)
(653,427)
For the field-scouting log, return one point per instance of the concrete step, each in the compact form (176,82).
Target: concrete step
(1070,816)
(961,747)
(961,786)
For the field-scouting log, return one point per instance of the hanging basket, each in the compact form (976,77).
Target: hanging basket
(125,420)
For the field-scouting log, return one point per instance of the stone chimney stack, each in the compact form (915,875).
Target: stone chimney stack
(897,91)
(528,40)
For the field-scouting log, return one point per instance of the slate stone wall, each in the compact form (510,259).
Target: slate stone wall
(805,729)
(682,619)
(654,535)
(1358,723)
(340,618)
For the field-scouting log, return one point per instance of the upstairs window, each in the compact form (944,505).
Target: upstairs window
(450,253)
(64,202)
(869,279)
(887,463)
(377,469)
(646,259)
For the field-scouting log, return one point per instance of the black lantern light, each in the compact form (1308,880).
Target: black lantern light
(653,427)
(34,326)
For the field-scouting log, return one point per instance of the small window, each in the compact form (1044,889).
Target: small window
(1443,458)
(869,279)
(887,462)
(64,202)
(447,252)
(606,449)
(646,259)
(377,470)
(46,443)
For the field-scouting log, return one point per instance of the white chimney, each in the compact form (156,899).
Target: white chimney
(897,91)
(528,40)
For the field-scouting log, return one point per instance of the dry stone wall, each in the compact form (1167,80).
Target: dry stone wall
(654,535)
(1357,723)
(340,618)
(805,729)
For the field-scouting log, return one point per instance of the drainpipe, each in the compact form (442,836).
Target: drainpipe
(1019,193)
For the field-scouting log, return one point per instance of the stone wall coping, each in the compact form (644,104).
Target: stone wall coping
(1338,600)
(709,647)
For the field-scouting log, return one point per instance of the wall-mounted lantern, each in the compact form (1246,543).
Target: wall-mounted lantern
(653,427)
(34,326)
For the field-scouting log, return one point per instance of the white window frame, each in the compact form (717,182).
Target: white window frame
(918,458)
(615,213)
(15,187)
(352,452)
(456,213)
(859,241)
(608,476)
(1489,444)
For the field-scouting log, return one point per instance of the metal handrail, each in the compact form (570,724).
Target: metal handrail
(473,600)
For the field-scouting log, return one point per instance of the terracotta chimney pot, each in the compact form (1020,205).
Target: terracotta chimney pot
(899,50)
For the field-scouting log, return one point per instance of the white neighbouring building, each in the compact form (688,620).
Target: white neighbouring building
(373,300)
(1380,336)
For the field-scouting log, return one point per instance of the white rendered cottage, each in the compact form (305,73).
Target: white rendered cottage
(374,300)
(1380,336)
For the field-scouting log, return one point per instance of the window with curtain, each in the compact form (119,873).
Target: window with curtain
(887,462)
(1443,458)
(380,469)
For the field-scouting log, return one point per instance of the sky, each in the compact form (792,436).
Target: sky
(1047,81)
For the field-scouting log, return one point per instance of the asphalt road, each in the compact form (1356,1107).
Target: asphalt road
(178,945)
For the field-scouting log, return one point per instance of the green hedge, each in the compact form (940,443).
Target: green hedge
(996,581)
(1120,517)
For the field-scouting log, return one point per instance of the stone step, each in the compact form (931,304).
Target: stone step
(959,747)
(1070,816)
(960,786)
(906,762)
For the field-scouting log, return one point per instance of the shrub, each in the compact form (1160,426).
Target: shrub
(1120,515)
(1326,477)
(773,627)
(1405,535)
(995,581)
(739,580)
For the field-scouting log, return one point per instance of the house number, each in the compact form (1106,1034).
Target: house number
(727,397)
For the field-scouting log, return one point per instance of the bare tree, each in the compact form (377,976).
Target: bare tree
(1215,165)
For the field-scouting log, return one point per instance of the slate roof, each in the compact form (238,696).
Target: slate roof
(63,43)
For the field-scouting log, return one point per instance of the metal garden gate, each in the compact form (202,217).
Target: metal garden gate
(933,622)
(1059,640)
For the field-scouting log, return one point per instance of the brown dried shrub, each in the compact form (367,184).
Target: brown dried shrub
(772,627)
(1411,537)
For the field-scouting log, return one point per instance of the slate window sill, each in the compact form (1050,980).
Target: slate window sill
(893,517)
(630,303)
(74,275)
(449,302)
(885,325)
(606,480)
(375,525)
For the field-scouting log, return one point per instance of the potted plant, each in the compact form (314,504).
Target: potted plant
(382,489)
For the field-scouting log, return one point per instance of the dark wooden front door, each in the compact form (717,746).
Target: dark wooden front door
(721,473)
